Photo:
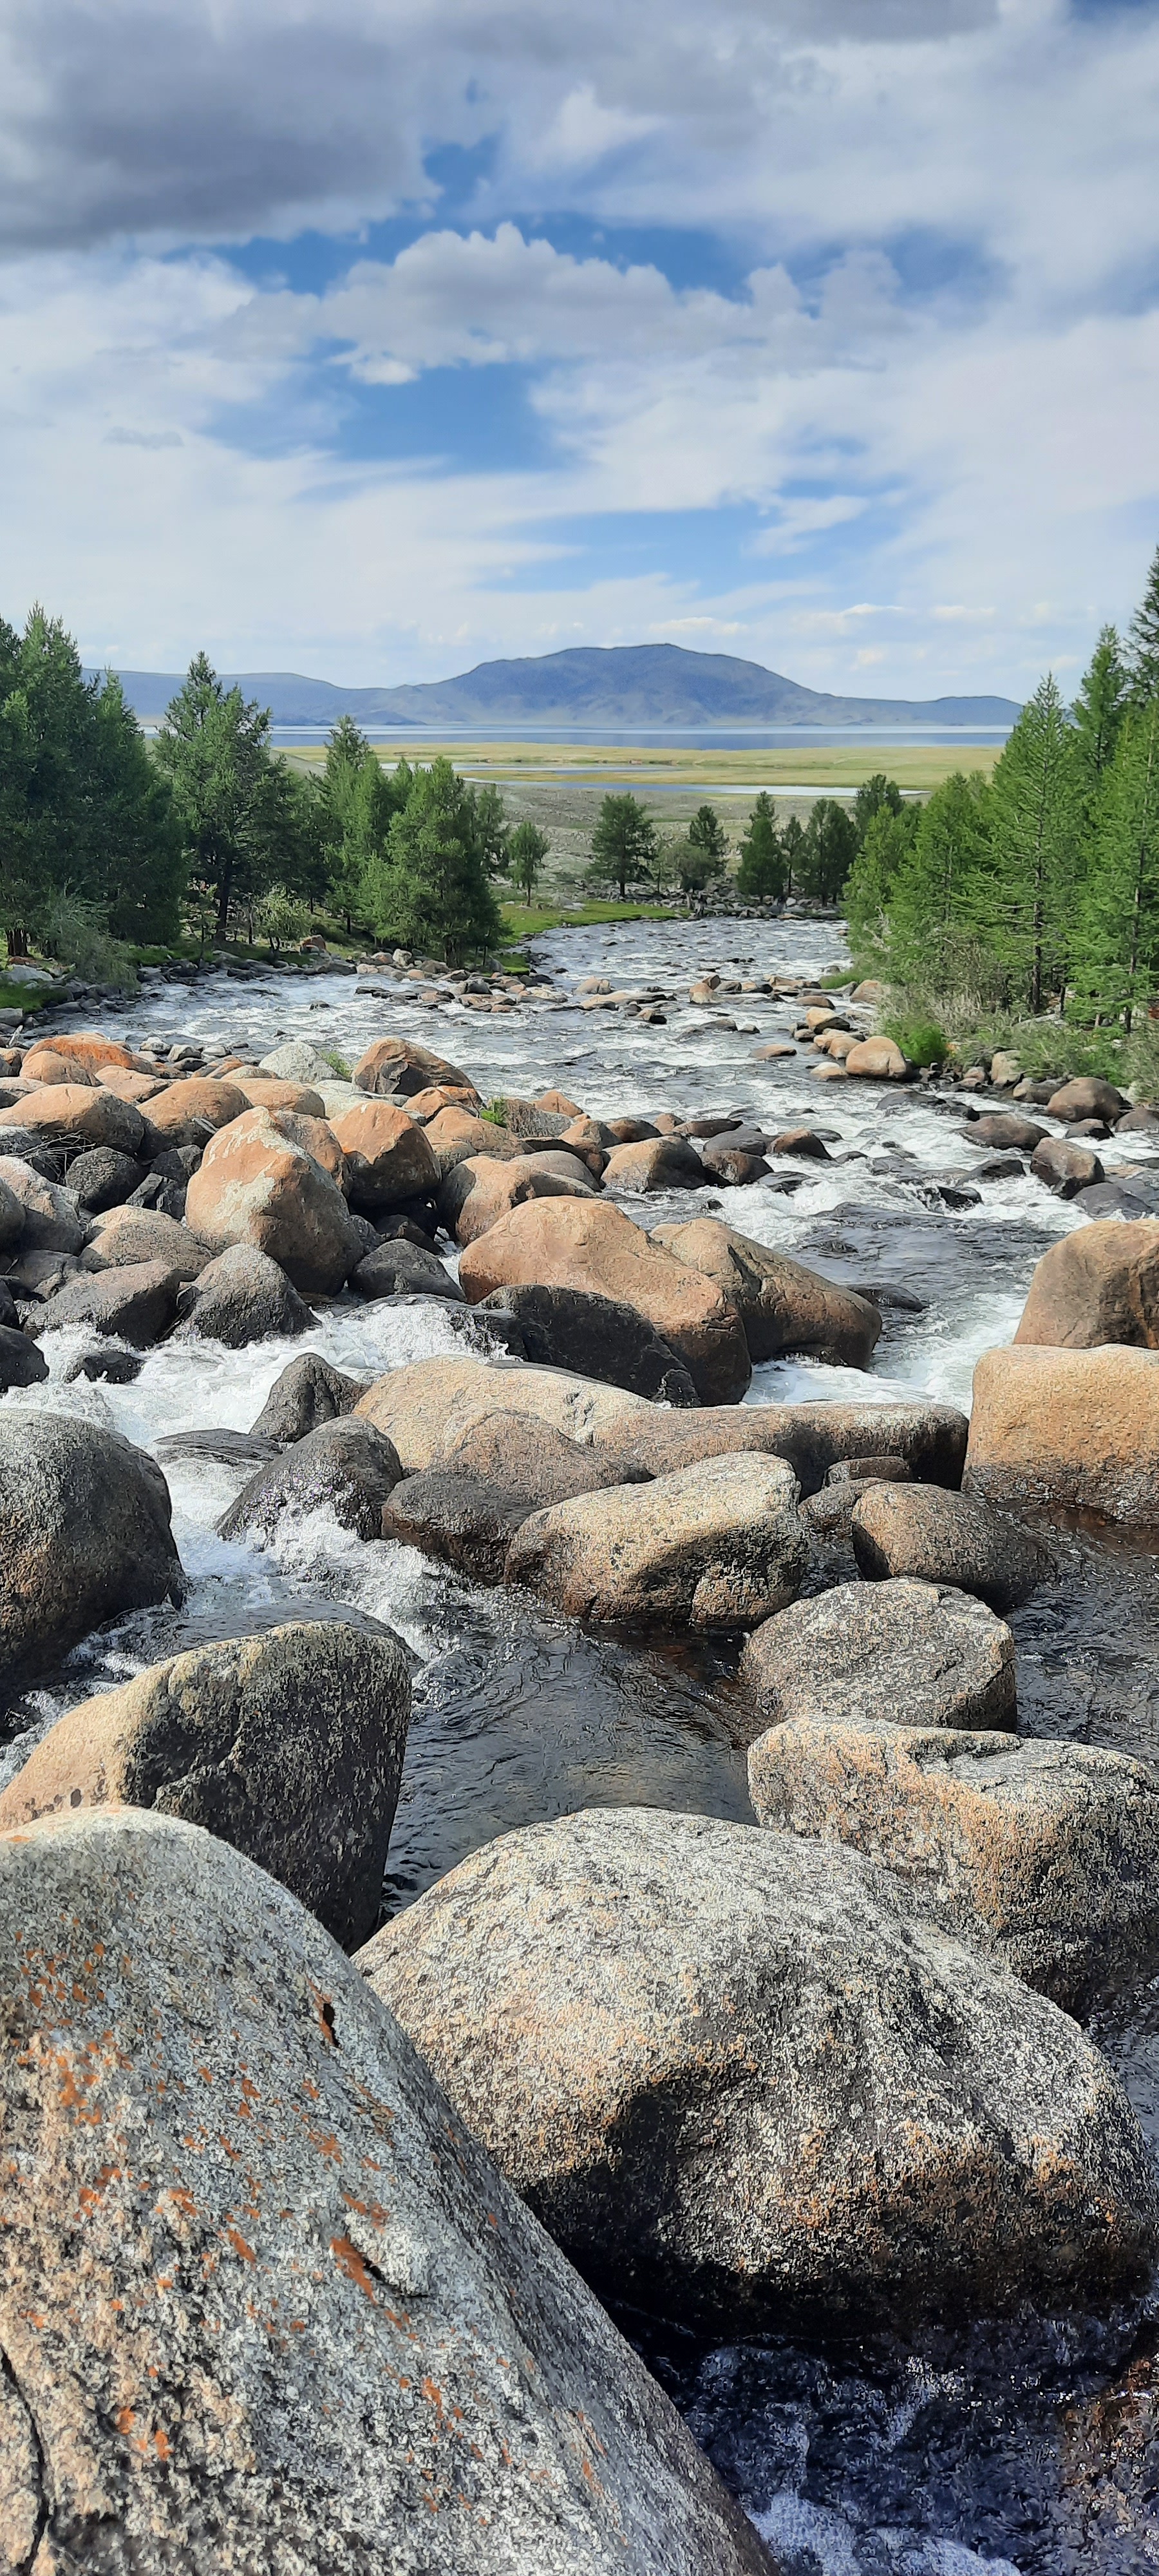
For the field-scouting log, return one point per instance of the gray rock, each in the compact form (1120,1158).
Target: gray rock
(719,1545)
(21,1364)
(1065,1167)
(345,1467)
(11,1218)
(931,1438)
(948,1538)
(597,1337)
(242,1297)
(337,2341)
(737,2083)
(102,1177)
(135,1302)
(289,1745)
(226,1448)
(1001,1128)
(130,1234)
(530,1459)
(1047,1853)
(52,1219)
(84,1535)
(105,1362)
(297,1061)
(465,1521)
(911,1654)
(403,1270)
(308,1393)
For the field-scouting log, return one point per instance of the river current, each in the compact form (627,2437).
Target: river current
(1026,2450)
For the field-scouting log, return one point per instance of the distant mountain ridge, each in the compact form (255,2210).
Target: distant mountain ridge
(618,684)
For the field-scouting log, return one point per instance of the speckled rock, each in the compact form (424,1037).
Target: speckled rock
(84,1535)
(1046,1852)
(596,1248)
(529,1458)
(259,1183)
(58,1110)
(137,1301)
(243,1297)
(947,1538)
(267,2303)
(308,1393)
(464,1520)
(719,1545)
(913,1654)
(398,1064)
(390,1159)
(782,1305)
(289,1745)
(52,1218)
(1099,1285)
(424,1407)
(1076,1428)
(596,1337)
(738,2083)
(131,1234)
(930,1438)
(482,1188)
(345,1466)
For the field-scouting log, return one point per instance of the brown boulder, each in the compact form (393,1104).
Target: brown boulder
(720,1545)
(662,1163)
(558,1103)
(425,1407)
(183,1110)
(931,1438)
(1087,1097)
(57,1110)
(129,1234)
(259,1184)
(455,1135)
(48,1063)
(1001,1128)
(908,1654)
(130,1086)
(518,1454)
(594,1246)
(947,1538)
(271,1091)
(1099,1285)
(1075,1428)
(482,1189)
(878,1060)
(88,1047)
(782,1306)
(397,1064)
(1065,1167)
(394,1160)
(136,1302)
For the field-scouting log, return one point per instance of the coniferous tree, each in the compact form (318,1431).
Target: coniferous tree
(1144,642)
(869,888)
(492,829)
(527,849)
(624,842)
(1119,935)
(828,851)
(1027,908)
(1097,715)
(706,832)
(762,876)
(937,881)
(233,799)
(874,796)
(793,845)
(434,893)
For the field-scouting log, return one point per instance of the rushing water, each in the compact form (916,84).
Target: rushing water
(1029,2450)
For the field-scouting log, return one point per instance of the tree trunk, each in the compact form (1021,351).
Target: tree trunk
(18,943)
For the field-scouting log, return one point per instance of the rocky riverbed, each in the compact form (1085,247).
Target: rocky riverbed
(993,2404)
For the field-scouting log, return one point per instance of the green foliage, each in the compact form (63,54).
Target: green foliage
(1144,643)
(280,917)
(526,850)
(493,831)
(624,843)
(1119,933)
(828,851)
(238,808)
(793,845)
(1097,715)
(763,874)
(707,833)
(696,867)
(886,846)
(922,1041)
(432,893)
(337,1063)
(76,931)
(1025,901)
(876,795)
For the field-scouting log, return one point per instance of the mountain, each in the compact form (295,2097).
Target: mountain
(617,685)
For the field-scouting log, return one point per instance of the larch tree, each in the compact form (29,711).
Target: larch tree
(1028,909)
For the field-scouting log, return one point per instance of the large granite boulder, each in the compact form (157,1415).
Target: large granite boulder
(1078,1429)
(596,1248)
(259,1184)
(782,1305)
(56,1112)
(389,1157)
(243,1297)
(482,1188)
(53,1221)
(596,1337)
(919,1530)
(190,1111)
(131,1234)
(308,1393)
(738,2082)
(930,1439)
(1099,1285)
(265,2303)
(84,1536)
(398,1064)
(345,1467)
(523,1456)
(425,1406)
(911,1654)
(719,1545)
(136,1300)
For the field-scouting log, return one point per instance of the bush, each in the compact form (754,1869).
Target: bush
(75,931)
(922,1042)
(337,1062)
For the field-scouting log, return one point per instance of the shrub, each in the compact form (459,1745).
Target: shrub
(922,1042)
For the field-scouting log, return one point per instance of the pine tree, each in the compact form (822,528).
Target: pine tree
(887,843)
(763,873)
(1119,938)
(1027,910)
(828,852)
(527,850)
(706,832)
(875,795)
(434,893)
(624,842)
(232,797)
(1144,644)
(935,888)
(1097,715)
(793,845)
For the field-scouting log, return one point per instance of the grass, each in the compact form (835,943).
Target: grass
(23,997)
(525,920)
(916,766)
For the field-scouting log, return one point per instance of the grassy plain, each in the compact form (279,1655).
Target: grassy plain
(816,769)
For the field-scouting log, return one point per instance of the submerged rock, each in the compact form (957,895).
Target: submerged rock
(947,1538)
(719,1545)
(738,2083)
(84,1536)
(302,2322)
(345,1467)
(911,1654)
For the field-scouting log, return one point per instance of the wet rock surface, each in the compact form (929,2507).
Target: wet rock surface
(947,1538)
(345,1467)
(84,1534)
(911,1654)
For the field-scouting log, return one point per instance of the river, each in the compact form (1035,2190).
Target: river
(1030,2450)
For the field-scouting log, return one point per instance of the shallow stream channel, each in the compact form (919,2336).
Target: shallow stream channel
(1026,2449)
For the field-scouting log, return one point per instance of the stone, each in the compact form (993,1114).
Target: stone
(243,1297)
(930,1438)
(46,1063)
(803,1141)
(947,1538)
(632,1131)
(308,1393)
(878,1060)
(289,1745)
(739,2084)
(290,1099)
(397,1064)
(59,1111)
(258,1184)
(733,1166)
(594,1247)
(52,1221)
(390,1158)
(84,1536)
(1087,1097)
(1143,1121)
(11,1218)
(595,1337)
(516,1454)
(481,1189)
(135,1234)
(103,1179)
(391,2366)
(782,1305)
(1099,1285)
(87,1047)
(665,1163)
(424,1406)
(1002,1128)
(718,1545)
(1074,1429)
(559,1103)
(404,1270)
(190,1111)
(462,1519)
(21,1364)
(136,1302)
(345,1467)
(1045,1852)
(1065,1167)
(1005,1068)
(297,1061)
(898,1652)
(457,1135)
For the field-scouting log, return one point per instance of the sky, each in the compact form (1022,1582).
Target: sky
(375,338)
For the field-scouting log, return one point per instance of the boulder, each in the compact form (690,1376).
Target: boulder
(243,1297)
(943,1538)
(929,1438)
(1098,1285)
(390,1158)
(290,1099)
(136,1301)
(186,1112)
(878,1060)
(103,1179)
(595,1337)
(345,1467)
(258,1184)
(1074,1429)
(404,1270)
(1065,1167)
(734,1166)
(129,1086)
(21,1364)
(1087,1097)
(516,1454)
(308,1393)
(47,1063)
(11,1218)
(457,1135)
(1143,1121)
(482,1188)
(559,1103)
(84,1536)
(1001,1128)
(782,1305)
(466,1521)
(58,1111)
(52,1218)
(397,1064)
(596,1248)
(297,1061)
(135,1234)
(266,2302)
(899,1653)
(739,2084)
(86,1047)
(719,1545)
(1047,1853)
(424,1406)
(664,1163)
(289,1745)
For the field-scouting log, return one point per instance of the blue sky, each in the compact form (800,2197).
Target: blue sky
(372,338)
